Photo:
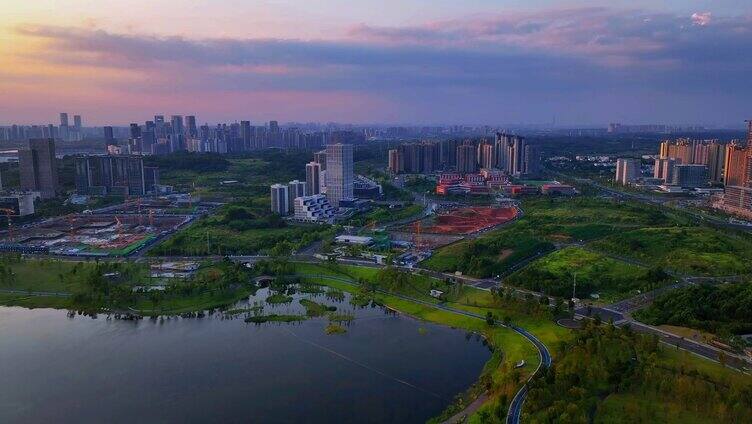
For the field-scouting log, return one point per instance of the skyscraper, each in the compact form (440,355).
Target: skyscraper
(176,121)
(320,158)
(64,128)
(135,131)
(339,172)
(313,178)
(38,167)
(190,123)
(109,136)
(77,122)
(245,134)
(279,199)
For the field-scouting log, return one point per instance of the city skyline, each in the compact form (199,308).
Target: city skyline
(424,63)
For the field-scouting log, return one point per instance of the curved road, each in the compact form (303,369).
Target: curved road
(515,409)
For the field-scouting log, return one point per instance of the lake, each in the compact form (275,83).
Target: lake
(386,368)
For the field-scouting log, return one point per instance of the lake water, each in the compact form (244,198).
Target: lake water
(386,368)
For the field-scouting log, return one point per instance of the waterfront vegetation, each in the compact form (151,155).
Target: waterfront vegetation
(608,375)
(593,272)
(724,310)
(118,286)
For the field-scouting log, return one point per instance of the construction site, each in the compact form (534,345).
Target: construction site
(118,230)
(463,221)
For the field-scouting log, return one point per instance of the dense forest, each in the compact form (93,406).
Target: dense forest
(604,373)
(725,310)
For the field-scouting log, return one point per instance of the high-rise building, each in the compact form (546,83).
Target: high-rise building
(715,161)
(396,161)
(627,170)
(64,128)
(664,169)
(339,173)
(191,128)
(109,136)
(279,199)
(77,123)
(135,131)
(467,162)
(736,165)
(176,122)
(313,178)
(245,134)
(690,176)
(114,174)
(486,156)
(295,189)
(320,158)
(38,167)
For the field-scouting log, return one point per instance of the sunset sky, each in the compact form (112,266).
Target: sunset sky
(425,61)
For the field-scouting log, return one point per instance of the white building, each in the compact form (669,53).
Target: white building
(280,199)
(358,240)
(339,172)
(295,189)
(314,208)
(21,204)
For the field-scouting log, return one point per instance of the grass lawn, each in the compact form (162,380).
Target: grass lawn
(611,279)
(50,275)
(383,214)
(688,250)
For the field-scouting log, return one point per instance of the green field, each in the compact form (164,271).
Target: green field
(383,214)
(595,274)
(241,228)
(688,250)
(546,221)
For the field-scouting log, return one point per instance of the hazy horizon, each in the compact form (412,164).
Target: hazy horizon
(400,63)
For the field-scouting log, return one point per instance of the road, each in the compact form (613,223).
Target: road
(515,408)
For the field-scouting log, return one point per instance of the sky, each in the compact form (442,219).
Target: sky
(393,62)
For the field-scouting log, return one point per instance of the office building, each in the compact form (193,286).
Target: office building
(295,189)
(135,131)
(467,162)
(314,208)
(313,178)
(339,173)
(38,167)
(690,176)
(279,199)
(627,170)
(77,123)
(114,175)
